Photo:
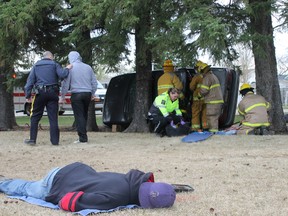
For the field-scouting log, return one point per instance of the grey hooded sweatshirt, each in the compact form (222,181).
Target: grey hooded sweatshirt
(81,77)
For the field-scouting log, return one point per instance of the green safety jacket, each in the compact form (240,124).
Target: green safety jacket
(163,105)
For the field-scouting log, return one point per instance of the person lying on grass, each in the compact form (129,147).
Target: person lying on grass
(78,186)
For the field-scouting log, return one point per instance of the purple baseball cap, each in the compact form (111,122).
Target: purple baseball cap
(156,195)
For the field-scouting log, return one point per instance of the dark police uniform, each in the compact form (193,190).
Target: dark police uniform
(44,77)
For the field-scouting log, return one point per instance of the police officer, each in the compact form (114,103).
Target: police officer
(44,77)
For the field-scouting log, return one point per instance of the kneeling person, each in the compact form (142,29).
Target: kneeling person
(254,109)
(164,110)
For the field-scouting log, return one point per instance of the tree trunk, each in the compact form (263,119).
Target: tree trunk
(85,49)
(267,83)
(143,71)
(91,122)
(7,116)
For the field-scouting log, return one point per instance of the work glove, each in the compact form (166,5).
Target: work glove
(172,124)
(182,122)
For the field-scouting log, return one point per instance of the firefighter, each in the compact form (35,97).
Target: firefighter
(169,79)
(254,108)
(210,90)
(198,107)
(165,110)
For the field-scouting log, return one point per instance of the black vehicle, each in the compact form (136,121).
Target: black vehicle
(120,96)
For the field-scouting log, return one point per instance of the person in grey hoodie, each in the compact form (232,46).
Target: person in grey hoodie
(82,83)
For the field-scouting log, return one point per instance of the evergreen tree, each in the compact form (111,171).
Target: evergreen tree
(100,30)
(25,26)
(267,83)
(14,31)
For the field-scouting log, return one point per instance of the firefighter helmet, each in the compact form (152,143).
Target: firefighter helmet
(168,66)
(200,66)
(246,86)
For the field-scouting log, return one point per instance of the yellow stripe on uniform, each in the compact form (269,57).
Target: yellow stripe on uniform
(256,124)
(255,105)
(204,86)
(215,102)
(32,106)
(165,86)
(214,86)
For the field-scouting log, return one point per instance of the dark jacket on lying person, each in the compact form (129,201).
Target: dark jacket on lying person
(77,186)
(96,190)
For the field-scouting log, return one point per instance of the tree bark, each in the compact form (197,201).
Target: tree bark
(143,71)
(91,122)
(267,83)
(7,116)
(85,49)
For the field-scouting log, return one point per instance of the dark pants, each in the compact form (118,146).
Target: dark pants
(160,122)
(45,98)
(80,104)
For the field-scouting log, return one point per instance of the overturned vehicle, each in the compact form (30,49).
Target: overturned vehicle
(118,106)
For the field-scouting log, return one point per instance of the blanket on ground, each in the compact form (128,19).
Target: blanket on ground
(84,212)
(200,136)
(196,136)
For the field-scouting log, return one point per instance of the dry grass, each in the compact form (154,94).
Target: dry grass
(231,175)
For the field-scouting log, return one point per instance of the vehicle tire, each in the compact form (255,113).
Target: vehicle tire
(61,112)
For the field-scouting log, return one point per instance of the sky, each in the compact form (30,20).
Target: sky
(280,39)
(281,43)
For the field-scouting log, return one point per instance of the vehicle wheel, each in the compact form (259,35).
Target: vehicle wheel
(61,112)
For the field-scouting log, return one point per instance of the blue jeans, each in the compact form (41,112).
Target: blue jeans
(37,189)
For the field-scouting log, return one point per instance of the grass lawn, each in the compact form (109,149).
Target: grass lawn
(67,120)
(63,120)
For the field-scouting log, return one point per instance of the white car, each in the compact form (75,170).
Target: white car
(99,99)
(20,104)
(100,93)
